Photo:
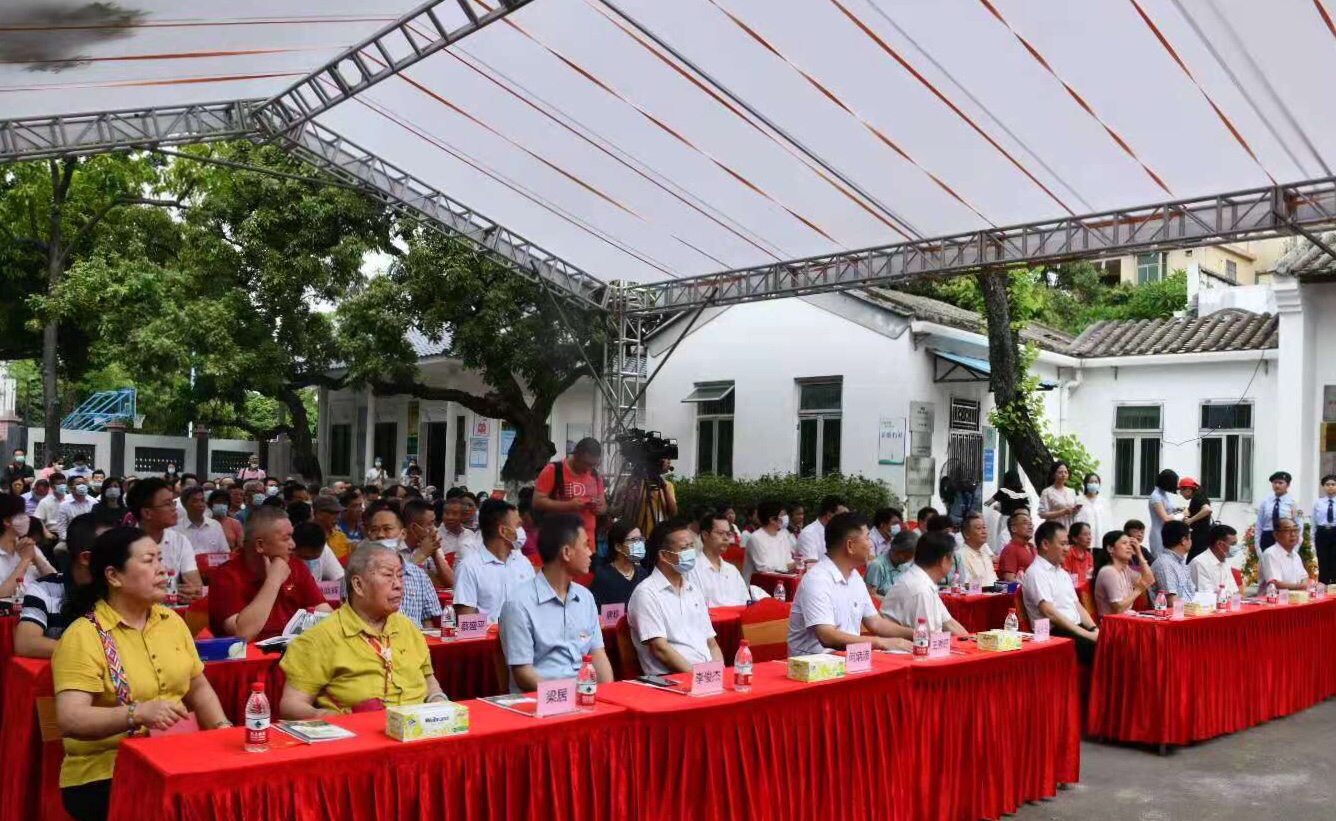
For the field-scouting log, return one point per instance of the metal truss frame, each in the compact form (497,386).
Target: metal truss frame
(39,138)
(1256,213)
(414,37)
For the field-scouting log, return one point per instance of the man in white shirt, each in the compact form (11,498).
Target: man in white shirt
(1281,564)
(769,549)
(668,617)
(885,524)
(48,510)
(77,503)
(1211,568)
(1048,593)
(974,559)
(832,605)
(484,577)
(204,534)
(151,502)
(812,539)
(915,595)
(454,537)
(719,581)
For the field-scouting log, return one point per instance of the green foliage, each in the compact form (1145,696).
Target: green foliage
(708,491)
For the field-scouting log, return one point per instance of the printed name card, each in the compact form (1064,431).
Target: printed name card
(1041,627)
(975,588)
(707,679)
(332,591)
(610,614)
(473,626)
(554,697)
(939,645)
(858,657)
(212,560)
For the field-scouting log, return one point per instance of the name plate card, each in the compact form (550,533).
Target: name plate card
(939,645)
(858,657)
(975,588)
(610,614)
(332,591)
(554,697)
(707,679)
(212,560)
(473,626)
(1041,628)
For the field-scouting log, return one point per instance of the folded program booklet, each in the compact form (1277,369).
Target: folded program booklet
(300,622)
(313,731)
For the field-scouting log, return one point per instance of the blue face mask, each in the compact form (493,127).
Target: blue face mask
(686,560)
(272,490)
(635,551)
(1234,549)
(902,566)
(312,565)
(257,499)
(1092,488)
(219,511)
(895,529)
(81,490)
(113,493)
(61,490)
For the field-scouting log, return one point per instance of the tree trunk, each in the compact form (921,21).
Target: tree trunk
(304,457)
(55,264)
(1007,380)
(531,450)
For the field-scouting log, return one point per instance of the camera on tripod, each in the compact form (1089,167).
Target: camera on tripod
(645,450)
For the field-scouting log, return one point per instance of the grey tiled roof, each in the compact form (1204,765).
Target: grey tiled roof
(1303,258)
(1228,330)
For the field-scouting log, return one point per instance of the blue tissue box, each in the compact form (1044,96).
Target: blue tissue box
(220,649)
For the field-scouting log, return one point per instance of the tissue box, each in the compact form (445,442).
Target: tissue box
(1297,596)
(997,641)
(1195,608)
(818,667)
(418,721)
(220,649)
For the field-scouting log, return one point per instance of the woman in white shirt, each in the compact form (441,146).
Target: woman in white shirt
(20,559)
(1164,507)
(1095,509)
(1058,503)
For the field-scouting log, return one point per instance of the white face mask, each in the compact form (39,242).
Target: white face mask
(784,522)
(392,544)
(20,525)
(520,538)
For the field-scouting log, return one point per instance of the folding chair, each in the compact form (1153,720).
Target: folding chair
(765,626)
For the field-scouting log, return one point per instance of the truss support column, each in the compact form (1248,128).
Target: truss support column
(624,373)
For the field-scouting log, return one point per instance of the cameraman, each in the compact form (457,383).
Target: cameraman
(573,485)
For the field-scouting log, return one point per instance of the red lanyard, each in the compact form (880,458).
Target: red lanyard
(386,655)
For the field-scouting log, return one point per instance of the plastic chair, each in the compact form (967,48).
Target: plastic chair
(735,556)
(765,626)
(628,663)
(1021,615)
(1087,599)
(501,670)
(1238,577)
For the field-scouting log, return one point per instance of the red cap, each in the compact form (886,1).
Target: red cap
(1188,481)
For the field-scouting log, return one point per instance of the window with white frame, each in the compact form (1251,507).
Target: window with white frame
(714,427)
(1150,268)
(1227,451)
(1137,437)
(819,426)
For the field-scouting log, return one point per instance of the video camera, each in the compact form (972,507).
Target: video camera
(646,449)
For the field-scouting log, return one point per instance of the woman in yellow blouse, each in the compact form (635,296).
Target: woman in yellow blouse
(127,667)
(367,655)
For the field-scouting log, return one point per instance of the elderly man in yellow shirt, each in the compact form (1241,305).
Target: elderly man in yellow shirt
(367,655)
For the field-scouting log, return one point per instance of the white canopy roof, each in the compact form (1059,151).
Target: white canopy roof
(788,128)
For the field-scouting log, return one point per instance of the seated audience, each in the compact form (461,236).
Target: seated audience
(614,581)
(204,533)
(885,570)
(975,560)
(308,543)
(831,606)
(1119,583)
(484,577)
(1019,553)
(1211,570)
(915,596)
(1172,577)
(669,620)
(48,509)
(21,561)
(219,505)
(325,511)
(550,622)
(257,591)
(383,526)
(885,524)
(150,502)
(1080,557)
(769,548)
(1281,564)
(812,539)
(131,670)
(422,543)
(368,655)
(925,515)
(47,605)
(77,503)
(1048,593)
(719,581)
(454,536)
(1136,531)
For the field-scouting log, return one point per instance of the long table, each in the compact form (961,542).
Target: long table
(1167,682)
(978,612)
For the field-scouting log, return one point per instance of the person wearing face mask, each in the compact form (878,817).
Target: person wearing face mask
(812,540)
(615,580)
(1095,509)
(253,492)
(18,468)
(95,483)
(884,571)
(832,607)
(219,503)
(80,467)
(205,535)
(915,597)
(20,559)
(77,504)
(376,474)
(128,666)
(484,577)
(885,524)
(769,548)
(385,527)
(669,619)
(252,470)
(1211,569)
(48,510)
(112,496)
(719,581)
(259,589)
(309,545)
(272,488)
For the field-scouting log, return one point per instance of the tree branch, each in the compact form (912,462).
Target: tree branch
(101,214)
(491,405)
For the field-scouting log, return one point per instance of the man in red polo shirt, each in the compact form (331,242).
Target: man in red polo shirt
(256,592)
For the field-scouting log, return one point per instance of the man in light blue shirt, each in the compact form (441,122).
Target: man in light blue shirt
(1172,576)
(549,623)
(1273,508)
(484,578)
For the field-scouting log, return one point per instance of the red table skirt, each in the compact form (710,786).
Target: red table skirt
(1178,682)
(978,612)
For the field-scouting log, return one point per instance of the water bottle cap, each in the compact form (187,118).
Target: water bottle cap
(257,686)
(744,643)
(588,659)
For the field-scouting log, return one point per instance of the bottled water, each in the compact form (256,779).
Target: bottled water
(586,686)
(1221,600)
(742,668)
(449,623)
(1271,597)
(257,720)
(921,639)
(1161,603)
(1012,624)
(173,595)
(779,592)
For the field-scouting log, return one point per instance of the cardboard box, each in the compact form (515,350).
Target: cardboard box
(998,641)
(1297,596)
(817,667)
(418,721)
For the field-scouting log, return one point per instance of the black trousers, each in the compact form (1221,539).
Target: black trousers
(1085,648)
(87,802)
(1324,544)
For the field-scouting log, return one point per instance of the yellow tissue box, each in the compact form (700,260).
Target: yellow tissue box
(1194,608)
(817,667)
(998,641)
(414,722)
(1297,596)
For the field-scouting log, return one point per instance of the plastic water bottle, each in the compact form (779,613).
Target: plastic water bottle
(20,590)
(257,720)
(586,686)
(1161,603)
(779,592)
(172,594)
(449,622)
(1221,600)
(742,668)
(1012,624)
(1271,596)
(921,639)
(955,583)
